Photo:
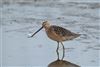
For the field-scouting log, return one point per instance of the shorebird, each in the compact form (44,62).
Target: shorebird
(58,34)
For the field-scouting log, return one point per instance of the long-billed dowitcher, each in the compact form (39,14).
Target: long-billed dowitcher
(57,34)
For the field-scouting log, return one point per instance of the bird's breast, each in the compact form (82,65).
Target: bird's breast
(52,35)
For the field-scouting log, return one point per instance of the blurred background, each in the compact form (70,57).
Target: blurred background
(21,18)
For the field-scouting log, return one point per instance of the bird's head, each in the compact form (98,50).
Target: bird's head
(45,25)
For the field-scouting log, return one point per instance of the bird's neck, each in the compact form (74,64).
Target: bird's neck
(46,27)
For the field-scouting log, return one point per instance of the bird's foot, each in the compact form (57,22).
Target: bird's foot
(58,59)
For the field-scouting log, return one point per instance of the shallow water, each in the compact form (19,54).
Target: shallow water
(19,20)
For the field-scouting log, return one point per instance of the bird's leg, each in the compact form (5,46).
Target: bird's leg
(63,51)
(57,50)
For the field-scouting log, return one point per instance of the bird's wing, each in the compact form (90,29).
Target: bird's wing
(61,31)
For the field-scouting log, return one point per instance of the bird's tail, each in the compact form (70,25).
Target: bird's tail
(77,35)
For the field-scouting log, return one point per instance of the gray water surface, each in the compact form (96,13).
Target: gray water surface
(22,19)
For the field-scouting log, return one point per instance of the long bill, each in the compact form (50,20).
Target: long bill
(37,31)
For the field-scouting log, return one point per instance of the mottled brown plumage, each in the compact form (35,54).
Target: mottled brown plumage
(58,34)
